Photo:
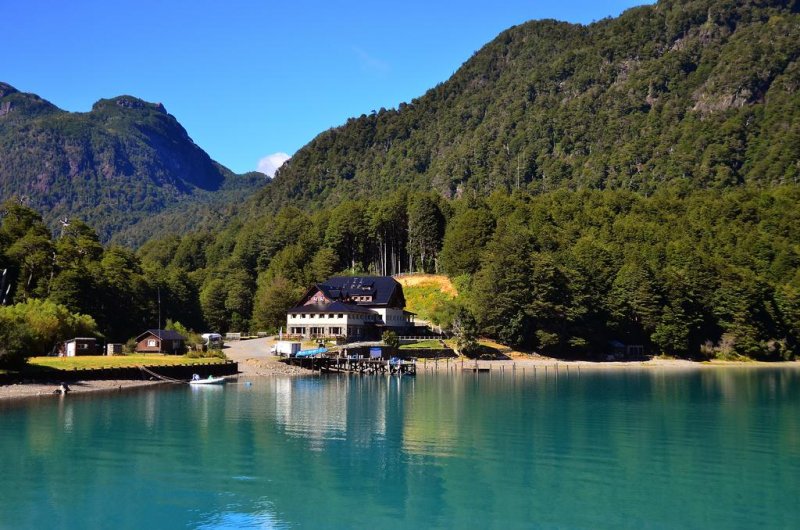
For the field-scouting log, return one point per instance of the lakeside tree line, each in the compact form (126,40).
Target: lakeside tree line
(688,273)
(54,287)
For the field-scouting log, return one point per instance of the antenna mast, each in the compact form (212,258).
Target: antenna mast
(160,340)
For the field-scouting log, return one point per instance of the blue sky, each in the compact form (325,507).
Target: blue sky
(249,78)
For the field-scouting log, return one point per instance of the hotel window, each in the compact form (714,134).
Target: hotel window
(330,316)
(151,343)
(340,316)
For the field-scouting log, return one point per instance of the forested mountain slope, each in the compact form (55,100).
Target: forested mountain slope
(634,180)
(114,166)
(704,91)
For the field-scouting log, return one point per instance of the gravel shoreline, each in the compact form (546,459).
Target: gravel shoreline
(27,390)
(272,366)
(445,365)
(247,367)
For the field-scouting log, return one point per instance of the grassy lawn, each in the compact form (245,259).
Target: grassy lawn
(422,345)
(115,361)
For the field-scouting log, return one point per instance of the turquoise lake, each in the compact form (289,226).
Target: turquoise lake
(654,448)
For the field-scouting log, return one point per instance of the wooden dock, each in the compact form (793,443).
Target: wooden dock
(357,366)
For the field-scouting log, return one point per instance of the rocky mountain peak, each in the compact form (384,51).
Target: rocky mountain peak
(6,89)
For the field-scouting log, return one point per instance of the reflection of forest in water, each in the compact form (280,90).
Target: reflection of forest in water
(432,450)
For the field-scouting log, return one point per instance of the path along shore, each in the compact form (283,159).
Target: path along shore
(430,365)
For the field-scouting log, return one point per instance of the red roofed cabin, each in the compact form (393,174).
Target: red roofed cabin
(161,341)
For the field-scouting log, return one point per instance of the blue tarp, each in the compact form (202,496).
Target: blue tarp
(311,353)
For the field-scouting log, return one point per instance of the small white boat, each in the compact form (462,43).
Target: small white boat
(207,381)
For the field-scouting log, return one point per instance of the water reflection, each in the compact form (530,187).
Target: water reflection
(313,409)
(595,449)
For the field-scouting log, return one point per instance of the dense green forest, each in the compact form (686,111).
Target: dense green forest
(115,167)
(696,91)
(53,288)
(685,272)
(635,179)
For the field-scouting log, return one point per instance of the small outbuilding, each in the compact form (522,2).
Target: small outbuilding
(161,341)
(620,350)
(80,346)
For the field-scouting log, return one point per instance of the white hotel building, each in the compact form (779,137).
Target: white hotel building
(354,307)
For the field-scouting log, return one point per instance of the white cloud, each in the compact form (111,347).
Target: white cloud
(270,163)
(368,62)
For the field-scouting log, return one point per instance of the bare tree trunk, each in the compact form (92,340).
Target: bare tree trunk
(385,257)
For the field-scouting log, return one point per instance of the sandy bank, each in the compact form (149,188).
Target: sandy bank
(272,366)
(23,390)
(556,364)
(265,366)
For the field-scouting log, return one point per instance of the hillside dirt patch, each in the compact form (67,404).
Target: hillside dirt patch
(424,280)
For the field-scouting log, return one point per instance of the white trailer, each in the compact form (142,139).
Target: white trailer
(286,348)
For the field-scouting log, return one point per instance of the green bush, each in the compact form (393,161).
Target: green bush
(129,347)
(35,327)
(210,354)
(216,353)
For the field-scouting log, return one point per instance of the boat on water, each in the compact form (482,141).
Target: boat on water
(210,380)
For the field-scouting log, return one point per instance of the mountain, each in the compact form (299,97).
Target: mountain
(694,93)
(115,167)
(656,156)
(702,92)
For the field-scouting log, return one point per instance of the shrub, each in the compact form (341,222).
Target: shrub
(216,353)
(129,347)
(210,354)
(35,327)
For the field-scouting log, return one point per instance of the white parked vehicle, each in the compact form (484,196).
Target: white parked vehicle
(212,340)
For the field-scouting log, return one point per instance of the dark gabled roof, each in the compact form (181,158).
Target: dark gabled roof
(163,334)
(380,288)
(333,307)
